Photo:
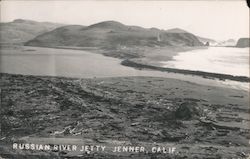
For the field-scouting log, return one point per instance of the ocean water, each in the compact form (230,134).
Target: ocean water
(224,60)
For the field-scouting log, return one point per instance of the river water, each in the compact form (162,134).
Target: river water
(77,63)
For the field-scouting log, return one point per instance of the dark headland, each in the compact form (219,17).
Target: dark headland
(243,42)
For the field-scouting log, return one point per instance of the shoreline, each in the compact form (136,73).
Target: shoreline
(152,69)
(223,77)
(153,64)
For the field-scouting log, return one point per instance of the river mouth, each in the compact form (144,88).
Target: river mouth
(84,64)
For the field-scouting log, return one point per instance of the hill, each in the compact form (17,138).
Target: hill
(111,34)
(205,40)
(20,30)
(229,42)
(243,42)
(176,30)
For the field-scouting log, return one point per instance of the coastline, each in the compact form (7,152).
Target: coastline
(143,58)
(136,64)
(146,65)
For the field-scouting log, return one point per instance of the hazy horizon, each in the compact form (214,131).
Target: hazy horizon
(219,20)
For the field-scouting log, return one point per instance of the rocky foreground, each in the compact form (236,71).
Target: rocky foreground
(201,121)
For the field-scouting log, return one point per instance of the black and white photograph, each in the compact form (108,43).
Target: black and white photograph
(129,79)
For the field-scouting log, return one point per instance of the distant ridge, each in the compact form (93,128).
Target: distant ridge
(22,30)
(108,25)
(176,30)
(205,40)
(23,21)
(112,34)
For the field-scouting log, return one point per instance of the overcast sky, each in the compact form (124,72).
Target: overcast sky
(218,20)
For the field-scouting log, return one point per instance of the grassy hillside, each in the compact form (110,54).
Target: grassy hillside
(112,34)
(19,31)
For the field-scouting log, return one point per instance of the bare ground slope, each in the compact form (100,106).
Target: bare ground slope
(202,121)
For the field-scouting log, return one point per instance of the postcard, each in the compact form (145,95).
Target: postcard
(124,79)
